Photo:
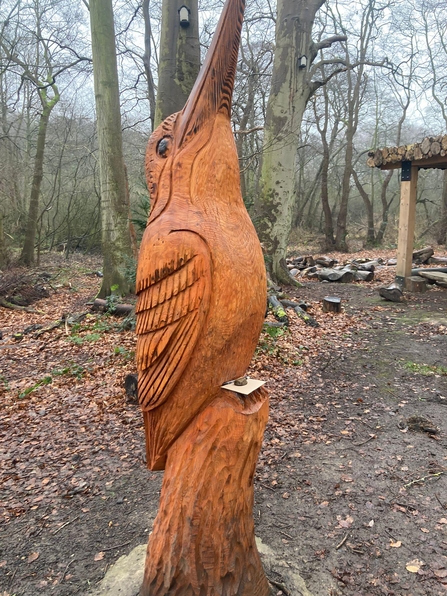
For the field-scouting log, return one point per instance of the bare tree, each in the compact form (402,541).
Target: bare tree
(291,89)
(116,237)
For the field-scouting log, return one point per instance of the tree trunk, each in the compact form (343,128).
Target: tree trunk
(116,238)
(27,255)
(147,61)
(179,60)
(385,207)
(442,234)
(203,538)
(3,249)
(290,92)
(370,233)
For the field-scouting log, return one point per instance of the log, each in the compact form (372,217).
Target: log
(429,147)
(325,261)
(429,269)
(305,317)
(364,275)
(393,293)
(293,304)
(437,260)
(331,304)
(434,276)
(367,266)
(423,255)
(415,284)
(116,309)
(309,272)
(278,310)
(340,275)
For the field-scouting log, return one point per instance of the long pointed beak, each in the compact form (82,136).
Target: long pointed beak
(213,89)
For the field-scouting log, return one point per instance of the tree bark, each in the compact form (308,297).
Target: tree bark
(179,60)
(442,234)
(291,90)
(27,255)
(147,61)
(116,238)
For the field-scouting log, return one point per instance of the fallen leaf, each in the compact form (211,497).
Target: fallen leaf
(32,557)
(371,523)
(396,544)
(414,565)
(425,530)
(443,520)
(99,556)
(286,496)
(441,573)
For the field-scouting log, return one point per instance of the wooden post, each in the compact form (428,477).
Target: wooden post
(406,221)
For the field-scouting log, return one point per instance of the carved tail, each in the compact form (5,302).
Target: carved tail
(203,541)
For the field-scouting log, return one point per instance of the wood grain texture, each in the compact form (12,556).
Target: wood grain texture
(201,289)
(207,501)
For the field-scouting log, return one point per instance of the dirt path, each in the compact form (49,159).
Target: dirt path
(346,492)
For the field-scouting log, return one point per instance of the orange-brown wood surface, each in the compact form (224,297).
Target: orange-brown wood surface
(203,537)
(201,302)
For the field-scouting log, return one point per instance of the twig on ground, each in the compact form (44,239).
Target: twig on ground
(66,568)
(423,479)
(287,535)
(364,442)
(443,505)
(266,486)
(70,521)
(280,586)
(345,537)
(117,546)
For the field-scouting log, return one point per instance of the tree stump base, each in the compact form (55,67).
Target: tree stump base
(203,541)
(415,284)
(331,304)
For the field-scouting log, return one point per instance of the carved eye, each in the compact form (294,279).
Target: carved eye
(163,147)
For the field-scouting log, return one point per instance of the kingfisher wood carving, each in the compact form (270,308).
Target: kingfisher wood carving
(201,302)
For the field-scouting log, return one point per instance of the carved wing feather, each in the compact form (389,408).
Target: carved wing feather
(173,287)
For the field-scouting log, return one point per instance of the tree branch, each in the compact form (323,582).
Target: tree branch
(327,43)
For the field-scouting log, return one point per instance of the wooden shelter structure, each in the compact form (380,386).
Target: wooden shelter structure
(430,153)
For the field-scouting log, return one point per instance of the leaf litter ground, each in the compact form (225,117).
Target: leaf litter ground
(348,491)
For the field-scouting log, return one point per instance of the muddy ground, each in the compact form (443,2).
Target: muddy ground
(351,491)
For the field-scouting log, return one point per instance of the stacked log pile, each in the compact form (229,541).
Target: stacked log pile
(430,147)
(325,268)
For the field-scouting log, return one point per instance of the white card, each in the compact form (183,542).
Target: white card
(251,385)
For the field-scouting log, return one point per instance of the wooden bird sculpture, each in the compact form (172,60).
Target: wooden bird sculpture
(201,301)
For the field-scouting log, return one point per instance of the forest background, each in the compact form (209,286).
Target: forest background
(309,102)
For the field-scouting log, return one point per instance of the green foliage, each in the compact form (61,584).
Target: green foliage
(80,339)
(112,300)
(72,370)
(28,390)
(273,332)
(425,369)
(130,271)
(141,213)
(86,332)
(124,352)
(4,380)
